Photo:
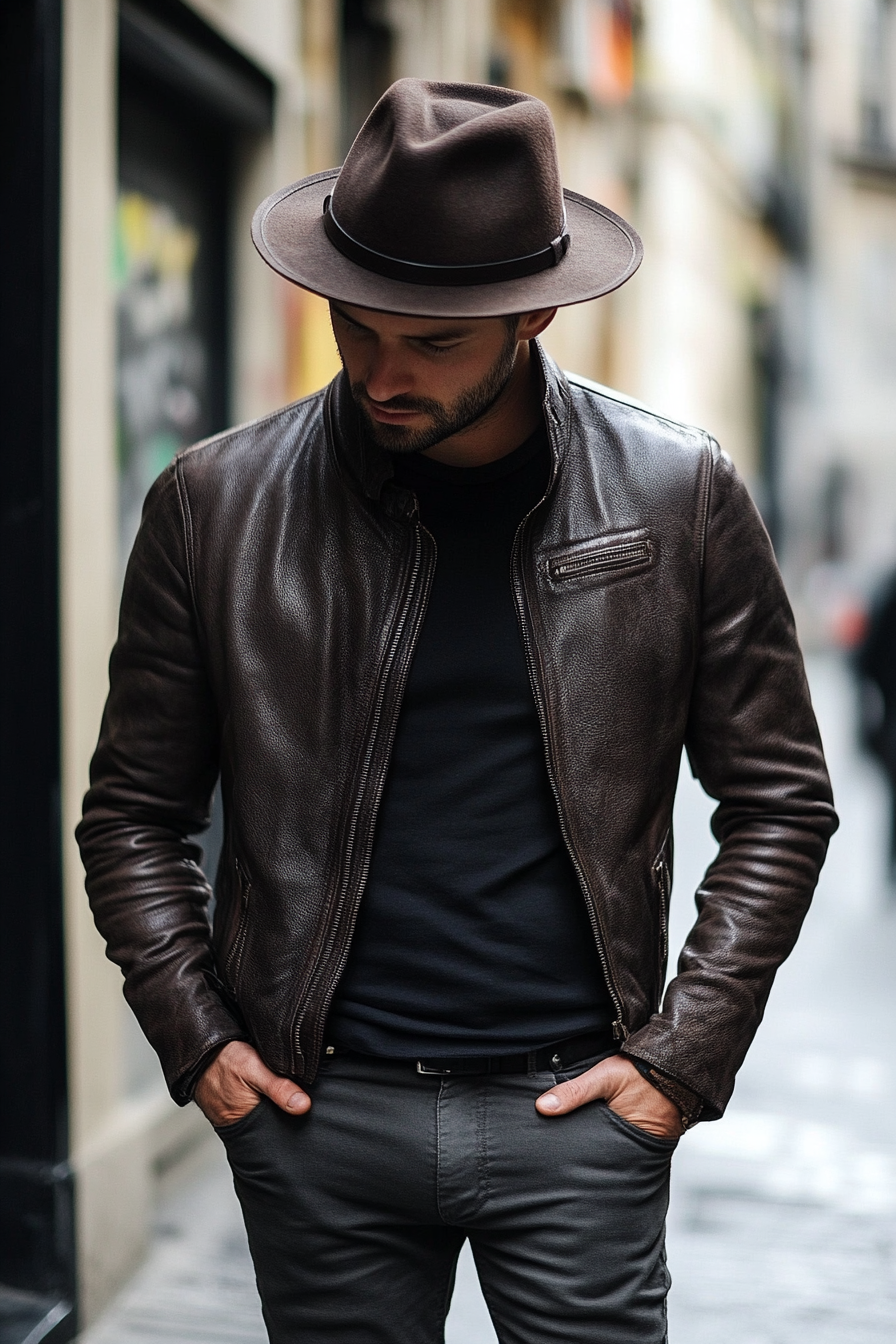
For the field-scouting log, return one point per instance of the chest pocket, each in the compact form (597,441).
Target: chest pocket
(603,559)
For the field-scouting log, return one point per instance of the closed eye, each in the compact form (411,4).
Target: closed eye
(437,343)
(434,347)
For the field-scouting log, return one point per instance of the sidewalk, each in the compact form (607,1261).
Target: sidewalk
(782,1228)
(197,1286)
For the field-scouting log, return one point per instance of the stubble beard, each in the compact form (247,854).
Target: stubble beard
(470,406)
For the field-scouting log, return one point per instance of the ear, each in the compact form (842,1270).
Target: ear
(533,324)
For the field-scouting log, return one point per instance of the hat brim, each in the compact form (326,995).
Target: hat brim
(288,230)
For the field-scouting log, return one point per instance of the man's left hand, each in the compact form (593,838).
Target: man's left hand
(617,1082)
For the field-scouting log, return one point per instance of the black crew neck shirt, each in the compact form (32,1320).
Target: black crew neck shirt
(472,935)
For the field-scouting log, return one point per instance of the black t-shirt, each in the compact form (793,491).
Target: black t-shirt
(472,936)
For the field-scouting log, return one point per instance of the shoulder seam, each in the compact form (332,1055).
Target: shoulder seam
(270,418)
(712,452)
(611,394)
(187,524)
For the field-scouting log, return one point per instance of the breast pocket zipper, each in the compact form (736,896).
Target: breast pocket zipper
(625,555)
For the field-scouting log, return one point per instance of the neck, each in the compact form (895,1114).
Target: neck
(507,423)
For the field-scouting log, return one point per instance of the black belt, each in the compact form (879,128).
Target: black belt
(549,1058)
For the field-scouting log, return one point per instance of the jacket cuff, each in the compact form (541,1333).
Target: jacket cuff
(689,1103)
(183,1087)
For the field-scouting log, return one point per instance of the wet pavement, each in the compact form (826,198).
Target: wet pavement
(782,1228)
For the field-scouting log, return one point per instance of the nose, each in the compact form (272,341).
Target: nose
(387,376)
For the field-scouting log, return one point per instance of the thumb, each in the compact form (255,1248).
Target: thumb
(598,1083)
(283,1092)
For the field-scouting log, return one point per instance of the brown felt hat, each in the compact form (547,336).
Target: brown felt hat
(449,204)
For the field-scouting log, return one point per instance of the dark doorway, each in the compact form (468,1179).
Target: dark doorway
(172,288)
(768,373)
(185,96)
(36,1226)
(366,64)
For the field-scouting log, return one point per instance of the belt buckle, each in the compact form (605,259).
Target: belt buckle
(437,1073)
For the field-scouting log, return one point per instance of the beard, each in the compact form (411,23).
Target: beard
(444,421)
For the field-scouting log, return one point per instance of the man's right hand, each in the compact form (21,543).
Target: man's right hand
(237,1079)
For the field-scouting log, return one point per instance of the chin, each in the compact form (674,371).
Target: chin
(397,438)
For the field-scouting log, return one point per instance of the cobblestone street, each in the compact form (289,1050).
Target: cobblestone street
(783,1220)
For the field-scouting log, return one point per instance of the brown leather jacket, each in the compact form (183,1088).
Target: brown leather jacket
(269,616)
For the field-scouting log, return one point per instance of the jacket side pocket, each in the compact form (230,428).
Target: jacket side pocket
(235,955)
(662,878)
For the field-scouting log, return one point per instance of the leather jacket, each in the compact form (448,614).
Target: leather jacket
(270,611)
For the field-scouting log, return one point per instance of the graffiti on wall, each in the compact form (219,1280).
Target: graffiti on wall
(162,360)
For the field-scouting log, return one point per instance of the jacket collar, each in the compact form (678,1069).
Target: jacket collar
(370,467)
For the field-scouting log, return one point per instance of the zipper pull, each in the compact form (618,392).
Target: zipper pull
(619,1031)
(400,503)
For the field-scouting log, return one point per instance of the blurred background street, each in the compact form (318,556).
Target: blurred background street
(752,143)
(782,1228)
(783,1221)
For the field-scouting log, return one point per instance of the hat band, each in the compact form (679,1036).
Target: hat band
(417,273)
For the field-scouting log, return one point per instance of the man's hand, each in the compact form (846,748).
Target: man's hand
(237,1079)
(617,1082)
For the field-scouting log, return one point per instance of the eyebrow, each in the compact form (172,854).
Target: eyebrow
(448,335)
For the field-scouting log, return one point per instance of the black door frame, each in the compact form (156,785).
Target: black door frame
(37,1262)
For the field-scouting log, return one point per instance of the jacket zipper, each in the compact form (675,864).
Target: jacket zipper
(661,871)
(366,770)
(235,957)
(622,556)
(620,1030)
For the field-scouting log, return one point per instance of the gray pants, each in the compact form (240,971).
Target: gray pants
(357,1212)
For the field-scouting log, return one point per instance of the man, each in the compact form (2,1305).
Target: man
(444,629)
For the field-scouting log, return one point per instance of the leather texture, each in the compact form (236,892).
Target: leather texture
(269,615)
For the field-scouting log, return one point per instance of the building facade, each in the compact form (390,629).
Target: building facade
(840,464)
(675,116)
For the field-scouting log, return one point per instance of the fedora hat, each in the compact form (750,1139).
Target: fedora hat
(449,204)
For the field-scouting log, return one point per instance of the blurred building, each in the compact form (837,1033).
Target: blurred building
(674,114)
(135,318)
(840,406)
(671,114)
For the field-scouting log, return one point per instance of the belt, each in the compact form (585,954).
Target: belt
(560,1055)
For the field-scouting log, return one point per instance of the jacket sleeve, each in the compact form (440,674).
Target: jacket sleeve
(151,781)
(753,744)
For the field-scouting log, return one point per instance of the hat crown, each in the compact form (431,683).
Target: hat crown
(452,175)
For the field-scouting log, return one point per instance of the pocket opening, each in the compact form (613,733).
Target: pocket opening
(601,559)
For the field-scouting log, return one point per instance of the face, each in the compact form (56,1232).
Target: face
(420,380)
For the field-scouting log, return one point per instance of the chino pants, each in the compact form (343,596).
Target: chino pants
(356,1212)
